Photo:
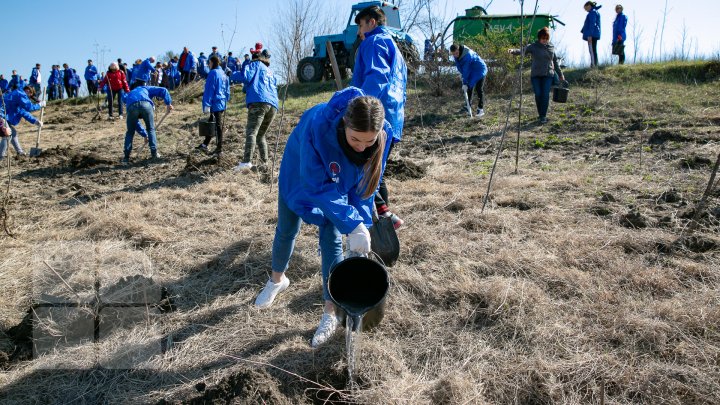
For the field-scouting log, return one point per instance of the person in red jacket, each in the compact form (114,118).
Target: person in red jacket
(117,85)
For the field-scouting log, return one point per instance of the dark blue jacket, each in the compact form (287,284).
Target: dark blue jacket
(55,77)
(15,82)
(317,180)
(74,80)
(142,71)
(91,73)
(619,27)
(67,75)
(260,83)
(18,106)
(471,67)
(380,71)
(4,85)
(232,63)
(591,28)
(202,66)
(217,90)
(147,93)
(34,75)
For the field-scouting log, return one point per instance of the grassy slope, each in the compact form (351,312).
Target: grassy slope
(538,300)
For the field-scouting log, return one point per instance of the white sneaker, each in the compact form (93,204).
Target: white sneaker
(243,167)
(327,328)
(270,291)
(480,112)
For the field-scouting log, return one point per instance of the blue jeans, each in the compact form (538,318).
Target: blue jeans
(13,140)
(135,111)
(541,87)
(288,226)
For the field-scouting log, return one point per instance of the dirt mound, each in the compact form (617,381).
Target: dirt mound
(634,219)
(670,196)
(612,139)
(57,151)
(695,162)
(243,387)
(403,169)
(82,160)
(521,205)
(659,137)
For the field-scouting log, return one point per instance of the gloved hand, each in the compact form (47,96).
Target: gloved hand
(39,124)
(358,241)
(205,110)
(465,87)
(43,104)
(619,38)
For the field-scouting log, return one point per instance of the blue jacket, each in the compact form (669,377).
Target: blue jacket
(591,28)
(15,82)
(91,73)
(18,106)
(55,77)
(202,66)
(67,75)
(34,75)
(217,91)
(147,93)
(74,80)
(190,63)
(232,63)
(317,180)
(260,83)
(471,67)
(380,71)
(245,63)
(142,71)
(619,28)
(4,85)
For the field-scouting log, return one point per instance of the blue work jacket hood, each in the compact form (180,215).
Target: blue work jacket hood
(318,181)
(471,67)
(380,71)
(217,91)
(260,83)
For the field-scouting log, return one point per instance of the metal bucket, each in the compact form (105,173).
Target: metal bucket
(560,94)
(207,127)
(359,285)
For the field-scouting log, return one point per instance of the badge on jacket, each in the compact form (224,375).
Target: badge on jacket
(335,171)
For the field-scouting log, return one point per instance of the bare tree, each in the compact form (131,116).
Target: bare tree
(298,22)
(652,53)
(684,46)
(662,30)
(637,33)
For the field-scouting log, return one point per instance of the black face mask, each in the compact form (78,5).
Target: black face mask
(358,158)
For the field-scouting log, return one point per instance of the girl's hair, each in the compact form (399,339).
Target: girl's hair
(543,32)
(590,3)
(29,91)
(214,62)
(366,114)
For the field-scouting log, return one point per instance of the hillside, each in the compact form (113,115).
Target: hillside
(579,283)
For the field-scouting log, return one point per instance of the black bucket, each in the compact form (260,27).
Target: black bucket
(560,94)
(359,285)
(207,128)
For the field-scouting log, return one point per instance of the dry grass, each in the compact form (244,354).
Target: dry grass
(538,300)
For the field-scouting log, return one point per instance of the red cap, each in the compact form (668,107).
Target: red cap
(258,46)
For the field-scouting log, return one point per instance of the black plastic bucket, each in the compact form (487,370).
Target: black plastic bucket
(207,128)
(560,94)
(359,285)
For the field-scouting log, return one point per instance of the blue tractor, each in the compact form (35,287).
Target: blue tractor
(315,68)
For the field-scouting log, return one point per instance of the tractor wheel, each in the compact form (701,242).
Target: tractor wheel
(309,69)
(410,54)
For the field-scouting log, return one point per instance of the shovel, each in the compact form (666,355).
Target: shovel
(36,151)
(467,103)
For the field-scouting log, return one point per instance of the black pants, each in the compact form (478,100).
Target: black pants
(92,87)
(217,116)
(479,90)
(621,51)
(381,197)
(592,46)
(184,77)
(69,91)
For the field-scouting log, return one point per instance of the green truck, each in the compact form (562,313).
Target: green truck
(476,21)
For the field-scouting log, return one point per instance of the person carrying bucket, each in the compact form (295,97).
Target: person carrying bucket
(542,71)
(330,170)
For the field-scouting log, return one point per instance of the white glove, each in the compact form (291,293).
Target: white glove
(465,88)
(205,110)
(43,104)
(39,124)
(358,240)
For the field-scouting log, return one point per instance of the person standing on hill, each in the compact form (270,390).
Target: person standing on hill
(215,98)
(140,106)
(262,104)
(380,71)
(4,84)
(543,69)
(18,105)
(591,30)
(473,71)
(332,165)
(189,69)
(15,81)
(55,83)
(91,78)
(36,78)
(141,72)
(117,87)
(619,34)
(67,77)
(202,67)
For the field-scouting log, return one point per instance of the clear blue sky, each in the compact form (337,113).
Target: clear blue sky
(67,31)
